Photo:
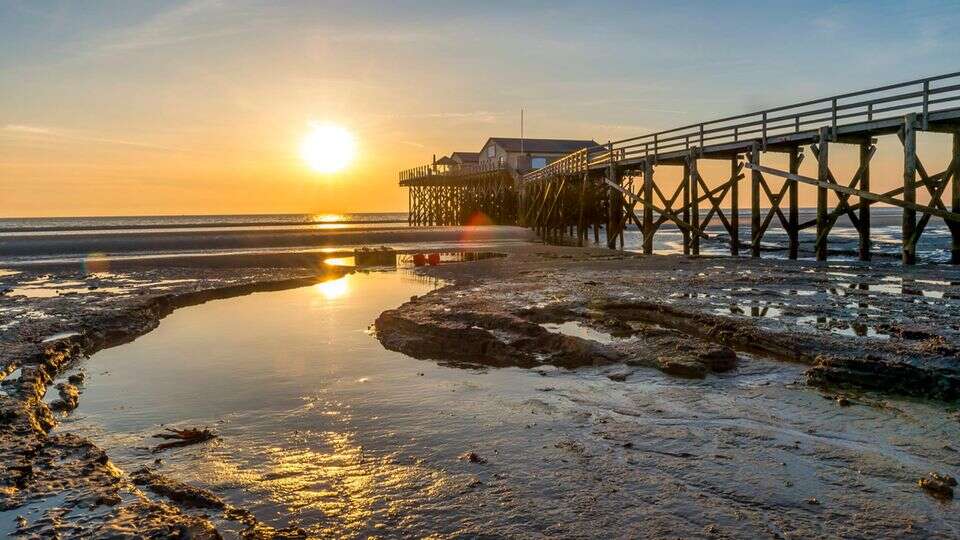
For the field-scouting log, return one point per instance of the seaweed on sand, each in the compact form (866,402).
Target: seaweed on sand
(183,437)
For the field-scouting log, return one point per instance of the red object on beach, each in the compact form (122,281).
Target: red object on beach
(419,259)
(433,259)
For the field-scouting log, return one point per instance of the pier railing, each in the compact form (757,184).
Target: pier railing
(446,171)
(923,96)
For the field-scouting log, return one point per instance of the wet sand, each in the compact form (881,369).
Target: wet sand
(669,455)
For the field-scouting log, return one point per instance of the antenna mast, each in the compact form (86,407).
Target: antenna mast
(521,131)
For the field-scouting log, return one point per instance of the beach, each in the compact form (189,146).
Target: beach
(544,391)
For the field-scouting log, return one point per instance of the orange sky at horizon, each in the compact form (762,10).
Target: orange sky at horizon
(200,106)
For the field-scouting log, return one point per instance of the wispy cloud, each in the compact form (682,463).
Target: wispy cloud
(487,117)
(193,20)
(21,131)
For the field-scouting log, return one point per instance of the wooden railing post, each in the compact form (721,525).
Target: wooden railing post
(909,225)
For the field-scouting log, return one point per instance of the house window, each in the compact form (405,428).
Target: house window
(491,151)
(538,162)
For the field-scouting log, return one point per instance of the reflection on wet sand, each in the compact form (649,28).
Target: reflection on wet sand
(322,428)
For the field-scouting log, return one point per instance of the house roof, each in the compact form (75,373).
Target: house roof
(466,157)
(547,146)
(446,161)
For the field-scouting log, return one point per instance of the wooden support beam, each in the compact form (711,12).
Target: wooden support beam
(955,203)
(793,230)
(755,176)
(909,225)
(735,168)
(867,196)
(687,179)
(647,207)
(695,208)
(866,153)
(823,174)
(680,224)
(614,208)
(581,225)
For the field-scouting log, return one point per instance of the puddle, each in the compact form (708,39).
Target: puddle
(8,384)
(751,311)
(843,328)
(580,330)
(59,335)
(407,260)
(61,290)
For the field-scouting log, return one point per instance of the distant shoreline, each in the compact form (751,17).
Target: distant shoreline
(192,225)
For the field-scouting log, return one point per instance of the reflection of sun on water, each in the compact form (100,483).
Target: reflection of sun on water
(328,218)
(334,288)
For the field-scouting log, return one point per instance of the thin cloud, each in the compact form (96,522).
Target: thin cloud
(190,21)
(22,131)
(487,117)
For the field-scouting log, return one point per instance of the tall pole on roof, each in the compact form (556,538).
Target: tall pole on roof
(521,131)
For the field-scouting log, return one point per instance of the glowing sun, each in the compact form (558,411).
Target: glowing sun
(328,148)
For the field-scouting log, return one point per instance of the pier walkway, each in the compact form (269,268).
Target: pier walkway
(616,185)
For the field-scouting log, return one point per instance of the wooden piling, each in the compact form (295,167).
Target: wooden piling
(755,202)
(909,224)
(614,208)
(647,207)
(823,175)
(955,204)
(695,208)
(793,218)
(581,224)
(686,206)
(864,214)
(735,207)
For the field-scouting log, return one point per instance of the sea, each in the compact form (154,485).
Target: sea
(39,238)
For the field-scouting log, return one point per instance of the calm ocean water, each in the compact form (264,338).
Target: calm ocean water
(934,245)
(64,224)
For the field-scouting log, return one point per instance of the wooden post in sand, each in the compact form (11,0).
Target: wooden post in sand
(695,208)
(735,207)
(755,202)
(955,204)
(686,206)
(794,217)
(647,206)
(823,175)
(909,224)
(864,214)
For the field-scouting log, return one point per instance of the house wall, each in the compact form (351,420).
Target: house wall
(515,160)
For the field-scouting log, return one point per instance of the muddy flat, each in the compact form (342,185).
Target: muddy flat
(552,392)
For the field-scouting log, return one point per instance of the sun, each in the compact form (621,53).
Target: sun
(328,148)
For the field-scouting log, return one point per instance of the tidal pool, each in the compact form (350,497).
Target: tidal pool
(322,428)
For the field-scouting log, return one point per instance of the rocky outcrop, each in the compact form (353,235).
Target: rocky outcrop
(440,326)
(876,372)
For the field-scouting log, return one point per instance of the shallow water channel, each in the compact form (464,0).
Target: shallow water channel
(322,428)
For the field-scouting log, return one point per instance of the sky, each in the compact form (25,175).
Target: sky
(199,106)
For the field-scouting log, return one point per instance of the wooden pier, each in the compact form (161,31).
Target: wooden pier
(616,185)
(464,196)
